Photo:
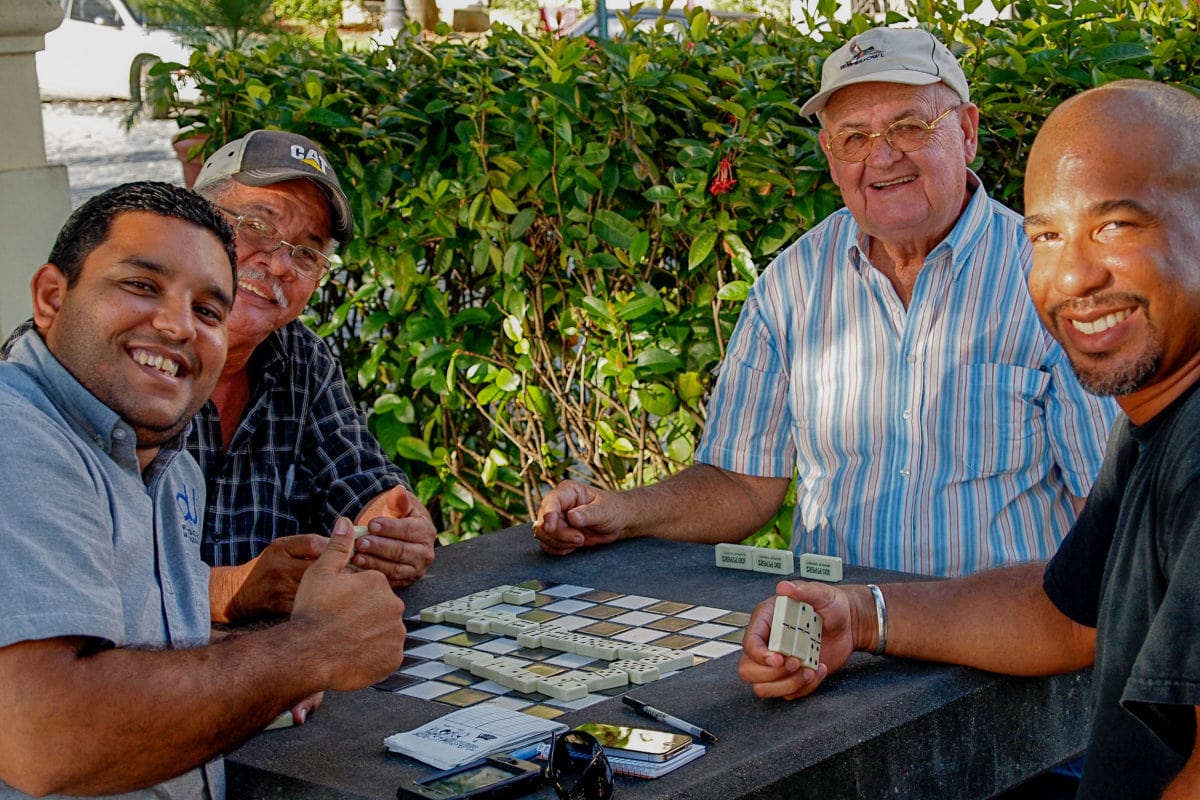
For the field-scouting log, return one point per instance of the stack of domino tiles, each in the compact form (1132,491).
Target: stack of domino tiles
(631,662)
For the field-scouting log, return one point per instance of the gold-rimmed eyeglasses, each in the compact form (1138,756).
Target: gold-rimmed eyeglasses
(261,236)
(903,135)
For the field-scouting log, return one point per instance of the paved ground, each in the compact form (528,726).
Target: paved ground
(90,139)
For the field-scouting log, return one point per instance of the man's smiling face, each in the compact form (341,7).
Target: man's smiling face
(270,294)
(896,196)
(144,326)
(1116,248)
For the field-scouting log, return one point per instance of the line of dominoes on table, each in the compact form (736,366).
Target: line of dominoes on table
(533,644)
(778,562)
(631,662)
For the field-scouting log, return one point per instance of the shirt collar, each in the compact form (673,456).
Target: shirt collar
(966,233)
(86,413)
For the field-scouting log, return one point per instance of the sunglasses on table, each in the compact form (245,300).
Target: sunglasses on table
(577,767)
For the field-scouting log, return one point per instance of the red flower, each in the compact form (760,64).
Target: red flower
(724,181)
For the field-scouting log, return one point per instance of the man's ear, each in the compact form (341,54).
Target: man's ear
(49,286)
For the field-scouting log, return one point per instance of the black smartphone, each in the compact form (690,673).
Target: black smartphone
(492,778)
(642,744)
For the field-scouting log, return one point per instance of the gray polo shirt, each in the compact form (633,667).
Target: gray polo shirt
(89,546)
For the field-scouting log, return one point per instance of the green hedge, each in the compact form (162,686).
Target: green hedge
(554,237)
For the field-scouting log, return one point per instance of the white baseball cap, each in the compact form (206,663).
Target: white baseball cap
(889,55)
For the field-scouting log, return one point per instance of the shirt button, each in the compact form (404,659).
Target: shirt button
(904,472)
(912,358)
(907,414)
(119,434)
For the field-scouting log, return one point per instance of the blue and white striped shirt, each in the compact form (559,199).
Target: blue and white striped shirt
(944,438)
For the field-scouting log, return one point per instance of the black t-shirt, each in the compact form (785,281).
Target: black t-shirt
(1131,568)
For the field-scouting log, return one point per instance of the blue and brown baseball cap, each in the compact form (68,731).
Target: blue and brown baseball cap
(889,55)
(263,157)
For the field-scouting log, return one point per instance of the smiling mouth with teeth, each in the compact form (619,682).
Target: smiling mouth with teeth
(254,290)
(163,364)
(1102,324)
(897,182)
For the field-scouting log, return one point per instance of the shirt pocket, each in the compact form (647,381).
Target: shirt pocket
(999,413)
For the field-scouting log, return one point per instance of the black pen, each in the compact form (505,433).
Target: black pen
(665,718)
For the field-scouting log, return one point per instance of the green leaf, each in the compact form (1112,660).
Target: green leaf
(639,307)
(659,194)
(535,400)
(734,292)
(614,229)
(639,247)
(413,449)
(506,380)
(657,360)
(512,328)
(657,399)
(688,387)
(502,202)
(596,308)
(521,222)
(701,248)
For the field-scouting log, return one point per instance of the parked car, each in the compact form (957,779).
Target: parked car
(673,20)
(92,54)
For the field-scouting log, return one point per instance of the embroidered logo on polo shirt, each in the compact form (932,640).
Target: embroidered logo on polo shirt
(189,510)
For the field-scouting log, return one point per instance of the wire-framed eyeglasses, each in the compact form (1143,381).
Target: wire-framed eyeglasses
(261,236)
(903,135)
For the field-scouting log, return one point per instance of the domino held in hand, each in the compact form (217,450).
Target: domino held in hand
(796,631)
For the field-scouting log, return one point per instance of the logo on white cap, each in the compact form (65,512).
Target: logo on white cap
(860,56)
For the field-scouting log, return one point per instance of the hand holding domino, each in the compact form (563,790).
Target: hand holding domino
(794,663)
(796,631)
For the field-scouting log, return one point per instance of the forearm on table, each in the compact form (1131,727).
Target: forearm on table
(704,504)
(1000,620)
(120,719)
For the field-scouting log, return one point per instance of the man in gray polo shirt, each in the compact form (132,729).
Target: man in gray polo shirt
(108,682)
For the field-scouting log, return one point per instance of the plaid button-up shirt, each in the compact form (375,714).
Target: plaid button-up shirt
(301,457)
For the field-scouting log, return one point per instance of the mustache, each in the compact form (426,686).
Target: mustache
(1086,305)
(271,283)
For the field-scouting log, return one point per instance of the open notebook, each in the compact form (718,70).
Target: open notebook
(471,733)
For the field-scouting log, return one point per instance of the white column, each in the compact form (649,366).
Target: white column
(35,197)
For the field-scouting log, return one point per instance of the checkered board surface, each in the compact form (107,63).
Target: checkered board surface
(702,631)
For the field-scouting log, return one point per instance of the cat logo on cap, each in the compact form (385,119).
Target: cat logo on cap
(312,157)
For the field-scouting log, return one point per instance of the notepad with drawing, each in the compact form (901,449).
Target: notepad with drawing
(471,733)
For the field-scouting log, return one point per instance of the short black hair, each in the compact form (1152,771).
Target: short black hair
(89,225)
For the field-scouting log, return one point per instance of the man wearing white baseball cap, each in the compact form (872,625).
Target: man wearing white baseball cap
(891,359)
(284,449)
(889,55)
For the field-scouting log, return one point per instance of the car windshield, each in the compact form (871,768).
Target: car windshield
(139,11)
